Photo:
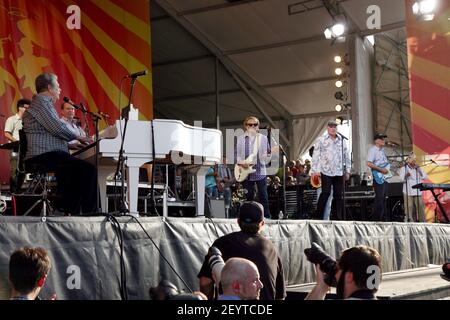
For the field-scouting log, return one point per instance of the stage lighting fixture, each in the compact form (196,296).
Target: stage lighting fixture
(339,95)
(338,108)
(337,59)
(371,39)
(424,9)
(338,71)
(339,83)
(339,120)
(334,32)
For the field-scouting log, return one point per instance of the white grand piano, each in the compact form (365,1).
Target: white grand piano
(174,141)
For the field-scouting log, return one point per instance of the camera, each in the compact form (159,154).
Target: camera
(216,263)
(328,265)
(166,290)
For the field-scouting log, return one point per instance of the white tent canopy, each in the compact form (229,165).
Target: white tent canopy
(276,47)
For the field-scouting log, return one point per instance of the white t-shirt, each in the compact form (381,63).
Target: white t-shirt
(13,124)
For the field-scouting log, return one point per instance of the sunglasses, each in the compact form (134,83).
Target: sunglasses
(252,124)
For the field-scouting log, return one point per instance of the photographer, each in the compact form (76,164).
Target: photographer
(240,280)
(356,275)
(251,245)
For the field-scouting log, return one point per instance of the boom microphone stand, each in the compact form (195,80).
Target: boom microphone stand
(123,207)
(95,118)
(283,163)
(344,172)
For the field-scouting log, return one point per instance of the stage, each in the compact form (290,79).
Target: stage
(86,257)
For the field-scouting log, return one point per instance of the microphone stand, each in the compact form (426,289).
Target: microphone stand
(85,112)
(417,168)
(284,158)
(123,208)
(95,118)
(283,162)
(344,172)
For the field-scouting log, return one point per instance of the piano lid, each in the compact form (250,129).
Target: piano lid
(173,138)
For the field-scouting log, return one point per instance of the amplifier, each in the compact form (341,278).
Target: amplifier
(395,189)
(358,195)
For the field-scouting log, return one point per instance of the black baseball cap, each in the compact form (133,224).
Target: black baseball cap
(251,212)
(379,136)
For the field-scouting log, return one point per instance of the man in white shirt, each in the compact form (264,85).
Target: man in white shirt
(68,118)
(12,126)
(330,153)
(412,174)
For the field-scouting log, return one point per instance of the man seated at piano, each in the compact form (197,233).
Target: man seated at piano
(412,174)
(12,126)
(73,124)
(47,140)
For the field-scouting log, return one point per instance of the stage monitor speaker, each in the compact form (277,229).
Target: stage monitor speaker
(395,189)
(218,208)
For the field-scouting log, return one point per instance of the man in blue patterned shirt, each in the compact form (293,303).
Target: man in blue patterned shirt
(327,161)
(47,145)
(377,161)
(260,156)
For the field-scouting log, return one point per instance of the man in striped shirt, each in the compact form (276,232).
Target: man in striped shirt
(47,145)
(245,149)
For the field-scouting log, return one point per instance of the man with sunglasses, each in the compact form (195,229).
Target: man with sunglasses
(256,156)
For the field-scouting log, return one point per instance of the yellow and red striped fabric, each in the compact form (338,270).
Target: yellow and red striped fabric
(429,72)
(114,40)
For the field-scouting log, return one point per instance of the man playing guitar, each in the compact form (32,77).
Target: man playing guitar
(252,154)
(377,161)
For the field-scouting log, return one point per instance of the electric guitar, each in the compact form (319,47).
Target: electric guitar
(241,173)
(379,177)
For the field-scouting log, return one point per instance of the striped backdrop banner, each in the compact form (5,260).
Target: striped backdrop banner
(113,40)
(429,75)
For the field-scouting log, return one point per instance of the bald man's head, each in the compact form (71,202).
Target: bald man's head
(240,277)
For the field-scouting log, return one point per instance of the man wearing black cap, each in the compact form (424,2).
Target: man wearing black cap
(377,161)
(249,244)
(330,153)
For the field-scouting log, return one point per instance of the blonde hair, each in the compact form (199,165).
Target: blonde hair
(250,117)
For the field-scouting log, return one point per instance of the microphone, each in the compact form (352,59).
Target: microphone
(392,144)
(67,100)
(136,74)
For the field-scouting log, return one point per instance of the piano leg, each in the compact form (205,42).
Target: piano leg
(103,173)
(200,190)
(132,190)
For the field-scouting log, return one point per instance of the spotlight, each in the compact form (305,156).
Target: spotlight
(339,120)
(335,31)
(339,83)
(337,59)
(339,96)
(424,9)
(338,108)
(338,71)
(339,29)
